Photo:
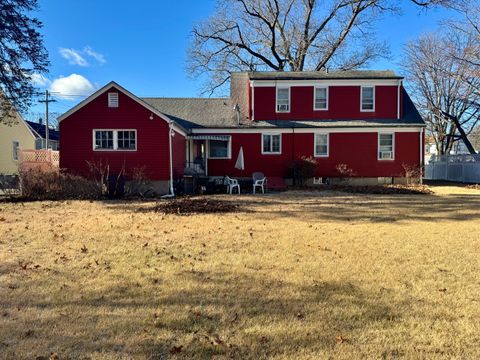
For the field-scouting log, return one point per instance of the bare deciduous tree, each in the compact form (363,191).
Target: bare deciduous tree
(443,85)
(289,35)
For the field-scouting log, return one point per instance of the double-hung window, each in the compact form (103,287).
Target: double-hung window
(271,144)
(117,140)
(367,98)
(321,144)
(321,98)
(386,146)
(283,99)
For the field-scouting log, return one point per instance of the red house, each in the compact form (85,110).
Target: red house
(363,120)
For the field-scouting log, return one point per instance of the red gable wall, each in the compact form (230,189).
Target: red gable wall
(344,103)
(152,152)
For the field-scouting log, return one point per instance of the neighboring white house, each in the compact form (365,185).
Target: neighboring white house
(458,148)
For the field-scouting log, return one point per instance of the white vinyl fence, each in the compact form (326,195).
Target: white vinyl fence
(458,168)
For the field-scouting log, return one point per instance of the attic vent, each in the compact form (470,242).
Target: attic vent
(113,99)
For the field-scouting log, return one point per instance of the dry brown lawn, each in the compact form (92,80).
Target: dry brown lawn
(295,276)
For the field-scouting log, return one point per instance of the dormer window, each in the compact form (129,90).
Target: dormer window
(283,99)
(367,98)
(321,98)
(113,99)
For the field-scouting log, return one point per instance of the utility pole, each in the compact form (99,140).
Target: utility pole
(46,101)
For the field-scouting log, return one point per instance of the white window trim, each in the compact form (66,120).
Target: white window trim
(361,98)
(315,144)
(272,152)
(315,97)
(118,99)
(229,153)
(115,140)
(378,145)
(289,99)
(18,151)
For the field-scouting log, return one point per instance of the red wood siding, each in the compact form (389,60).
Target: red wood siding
(357,150)
(343,103)
(179,155)
(152,138)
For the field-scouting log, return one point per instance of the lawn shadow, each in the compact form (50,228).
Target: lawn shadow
(226,314)
(343,207)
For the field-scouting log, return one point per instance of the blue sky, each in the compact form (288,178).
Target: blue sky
(142,45)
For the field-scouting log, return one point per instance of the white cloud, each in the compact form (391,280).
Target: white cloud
(39,80)
(68,86)
(73,56)
(96,55)
(79,57)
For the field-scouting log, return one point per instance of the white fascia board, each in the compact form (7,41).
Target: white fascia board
(326,82)
(413,129)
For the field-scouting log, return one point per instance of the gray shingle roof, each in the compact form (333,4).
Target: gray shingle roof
(195,113)
(320,75)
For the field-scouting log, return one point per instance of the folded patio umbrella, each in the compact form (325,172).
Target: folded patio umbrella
(240,164)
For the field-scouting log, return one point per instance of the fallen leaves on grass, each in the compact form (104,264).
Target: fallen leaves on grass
(377,189)
(176,349)
(340,339)
(186,206)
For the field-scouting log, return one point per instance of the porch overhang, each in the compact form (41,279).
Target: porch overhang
(210,137)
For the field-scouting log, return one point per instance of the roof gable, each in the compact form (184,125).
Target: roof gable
(124,91)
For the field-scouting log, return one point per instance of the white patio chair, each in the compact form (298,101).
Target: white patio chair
(259,180)
(231,185)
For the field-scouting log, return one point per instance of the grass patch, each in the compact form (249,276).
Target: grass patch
(303,275)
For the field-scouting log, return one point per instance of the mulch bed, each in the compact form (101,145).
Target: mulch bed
(186,206)
(378,189)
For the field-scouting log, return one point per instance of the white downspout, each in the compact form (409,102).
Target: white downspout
(252,84)
(170,135)
(398,99)
(421,156)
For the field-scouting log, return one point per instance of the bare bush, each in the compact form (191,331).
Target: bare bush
(413,173)
(139,184)
(48,184)
(303,169)
(345,172)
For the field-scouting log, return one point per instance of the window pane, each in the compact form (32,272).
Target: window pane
(275,143)
(320,98)
(283,99)
(385,146)
(218,149)
(321,144)
(282,94)
(126,140)
(367,98)
(15,149)
(267,143)
(104,140)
